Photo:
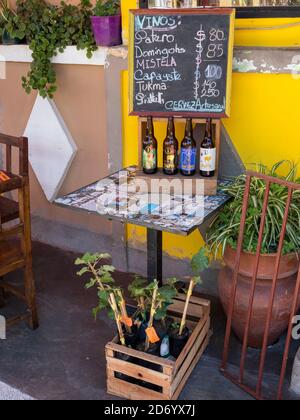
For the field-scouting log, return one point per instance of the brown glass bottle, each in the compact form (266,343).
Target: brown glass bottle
(208,153)
(149,149)
(170,157)
(188,151)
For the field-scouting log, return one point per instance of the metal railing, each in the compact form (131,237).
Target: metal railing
(240,379)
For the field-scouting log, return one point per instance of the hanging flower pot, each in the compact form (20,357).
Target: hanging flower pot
(107,30)
(8,40)
(107,23)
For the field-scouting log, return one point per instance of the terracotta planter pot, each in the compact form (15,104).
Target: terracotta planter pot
(283,298)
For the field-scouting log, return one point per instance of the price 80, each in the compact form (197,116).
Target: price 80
(215,48)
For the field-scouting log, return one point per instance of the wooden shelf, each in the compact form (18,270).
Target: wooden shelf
(210,184)
(71,56)
(177,184)
(216,122)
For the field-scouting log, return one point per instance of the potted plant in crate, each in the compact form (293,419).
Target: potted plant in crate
(154,302)
(107,23)
(7,15)
(180,332)
(223,235)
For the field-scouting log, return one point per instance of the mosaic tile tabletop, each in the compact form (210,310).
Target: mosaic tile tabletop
(117,197)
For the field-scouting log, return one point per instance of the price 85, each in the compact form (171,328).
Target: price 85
(215,51)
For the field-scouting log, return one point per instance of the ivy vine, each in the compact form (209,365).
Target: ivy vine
(49,29)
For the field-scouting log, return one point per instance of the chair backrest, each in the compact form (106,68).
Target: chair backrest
(20,143)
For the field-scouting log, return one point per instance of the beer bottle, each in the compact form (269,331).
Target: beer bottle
(188,151)
(208,153)
(149,149)
(170,150)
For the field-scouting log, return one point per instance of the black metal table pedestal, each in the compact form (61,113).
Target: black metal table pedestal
(154,255)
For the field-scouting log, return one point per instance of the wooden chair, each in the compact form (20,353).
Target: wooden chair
(15,238)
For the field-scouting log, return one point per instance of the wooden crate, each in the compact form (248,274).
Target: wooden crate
(160,379)
(210,185)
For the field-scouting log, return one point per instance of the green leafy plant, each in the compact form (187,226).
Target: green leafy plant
(140,293)
(225,228)
(10,23)
(6,12)
(106,8)
(110,297)
(200,262)
(161,299)
(49,29)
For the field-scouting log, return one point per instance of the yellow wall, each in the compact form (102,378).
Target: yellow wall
(264,123)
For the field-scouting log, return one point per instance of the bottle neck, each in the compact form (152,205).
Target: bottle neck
(189,128)
(150,128)
(171,127)
(208,130)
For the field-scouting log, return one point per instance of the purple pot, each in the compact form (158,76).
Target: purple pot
(107,30)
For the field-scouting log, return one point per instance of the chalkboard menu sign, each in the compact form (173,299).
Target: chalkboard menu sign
(181,62)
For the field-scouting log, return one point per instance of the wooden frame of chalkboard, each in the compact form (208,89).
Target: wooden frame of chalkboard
(254,12)
(190,100)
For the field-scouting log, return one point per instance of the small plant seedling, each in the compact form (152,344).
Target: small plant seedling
(200,262)
(162,298)
(109,296)
(140,293)
(175,326)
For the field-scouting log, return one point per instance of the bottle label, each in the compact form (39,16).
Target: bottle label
(149,158)
(170,158)
(208,159)
(188,159)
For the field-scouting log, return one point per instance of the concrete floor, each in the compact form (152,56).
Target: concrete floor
(64,358)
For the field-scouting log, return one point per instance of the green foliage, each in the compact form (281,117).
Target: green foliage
(164,299)
(101,278)
(137,288)
(6,12)
(142,292)
(106,8)
(49,30)
(200,261)
(225,228)
(175,326)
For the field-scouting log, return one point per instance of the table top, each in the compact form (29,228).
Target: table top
(117,197)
